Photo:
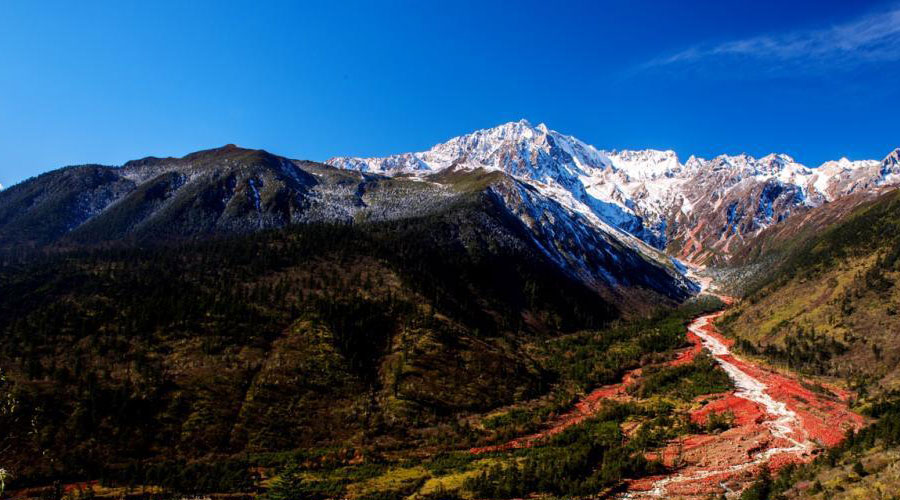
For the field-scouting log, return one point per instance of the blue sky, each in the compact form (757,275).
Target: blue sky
(105,82)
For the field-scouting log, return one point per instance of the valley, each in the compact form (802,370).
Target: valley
(419,250)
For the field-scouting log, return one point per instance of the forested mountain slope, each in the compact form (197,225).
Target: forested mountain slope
(316,336)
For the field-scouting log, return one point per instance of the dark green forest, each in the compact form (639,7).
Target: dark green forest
(285,339)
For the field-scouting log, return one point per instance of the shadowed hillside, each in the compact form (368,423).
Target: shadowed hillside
(321,334)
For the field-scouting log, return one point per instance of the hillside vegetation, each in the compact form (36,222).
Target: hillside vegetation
(294,338)
(829,309)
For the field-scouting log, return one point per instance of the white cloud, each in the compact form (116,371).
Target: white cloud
(870,39)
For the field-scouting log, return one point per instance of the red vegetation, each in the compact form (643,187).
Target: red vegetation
(588,406)
(710,463)
(806,418)
(591,403)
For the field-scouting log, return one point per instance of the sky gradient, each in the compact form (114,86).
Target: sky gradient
(105,82)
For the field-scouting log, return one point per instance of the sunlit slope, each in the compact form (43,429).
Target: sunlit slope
(830,306)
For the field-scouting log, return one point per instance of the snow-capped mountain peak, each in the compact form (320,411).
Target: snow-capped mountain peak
(646,193)
(892,159)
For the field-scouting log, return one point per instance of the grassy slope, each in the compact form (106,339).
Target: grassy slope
(830,307)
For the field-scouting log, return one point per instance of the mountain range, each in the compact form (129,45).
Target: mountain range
(233,320)
(616,220)
(700,210)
